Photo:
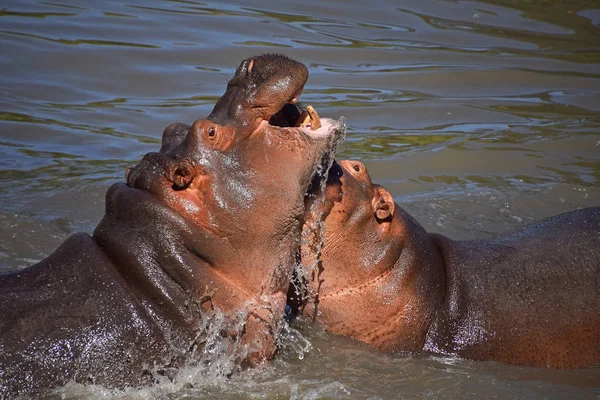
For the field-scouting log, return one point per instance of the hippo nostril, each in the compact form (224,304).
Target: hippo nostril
(182,178)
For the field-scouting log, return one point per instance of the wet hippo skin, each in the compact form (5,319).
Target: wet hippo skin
(529,297)
(248,99)
(208,225)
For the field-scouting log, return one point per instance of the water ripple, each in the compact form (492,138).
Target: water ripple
(76,42)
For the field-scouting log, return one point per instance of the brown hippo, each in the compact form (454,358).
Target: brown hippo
(529,297)
(195,250)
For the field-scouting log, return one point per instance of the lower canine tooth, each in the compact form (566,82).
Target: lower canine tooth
(315,121)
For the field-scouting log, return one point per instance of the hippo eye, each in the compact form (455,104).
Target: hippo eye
(212,132)
(356,167)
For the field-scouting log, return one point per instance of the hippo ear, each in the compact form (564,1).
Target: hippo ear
(383,204)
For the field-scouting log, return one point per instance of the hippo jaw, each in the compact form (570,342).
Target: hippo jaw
(338,212)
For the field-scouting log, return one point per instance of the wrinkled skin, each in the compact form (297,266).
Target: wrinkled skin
(211,222)
(530,297)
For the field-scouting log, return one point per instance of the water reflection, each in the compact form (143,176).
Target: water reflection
(478,116)
(23,118)
(75,42)
(367,146)
(4,13)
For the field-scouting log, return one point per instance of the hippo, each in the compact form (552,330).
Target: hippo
(529,297)
(195,249)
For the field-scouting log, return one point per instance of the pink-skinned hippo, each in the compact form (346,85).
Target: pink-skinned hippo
(529,297)
(206,228)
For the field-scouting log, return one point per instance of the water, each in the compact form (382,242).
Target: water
(479,117)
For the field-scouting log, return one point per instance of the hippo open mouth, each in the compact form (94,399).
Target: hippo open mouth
(262,97)
(263,93)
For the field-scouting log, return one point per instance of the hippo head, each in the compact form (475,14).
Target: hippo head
(372,272)
(213,220)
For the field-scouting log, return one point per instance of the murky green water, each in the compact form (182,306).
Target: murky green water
(479,117)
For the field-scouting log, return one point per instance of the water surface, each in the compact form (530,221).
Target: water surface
(478,116)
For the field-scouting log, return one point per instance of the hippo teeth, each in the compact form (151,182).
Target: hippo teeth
(309,117)
(315,121)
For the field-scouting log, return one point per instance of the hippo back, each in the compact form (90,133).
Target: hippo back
(71,316)
(528,297)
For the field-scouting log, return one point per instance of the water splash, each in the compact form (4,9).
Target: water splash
(217,345)
(218,350)
(215,356)
(292,339)
(313,231)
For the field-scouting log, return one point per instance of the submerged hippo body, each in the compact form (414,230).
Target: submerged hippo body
(195,234)
(530,297)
